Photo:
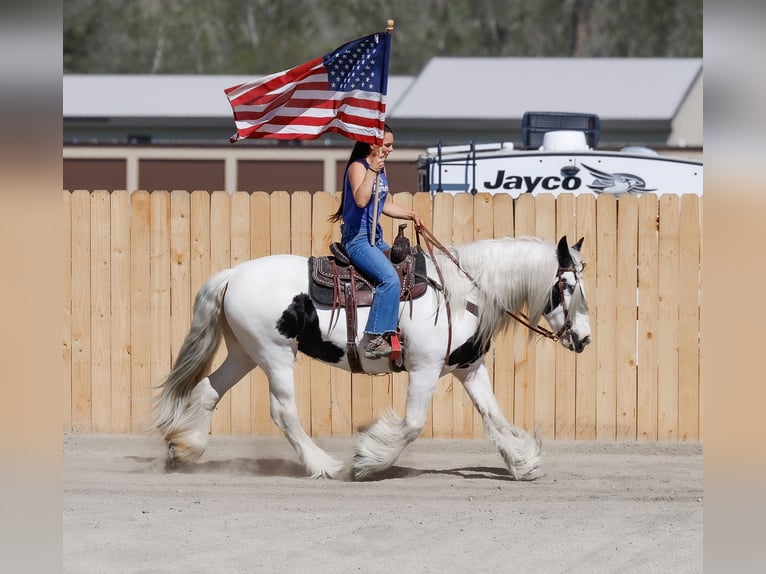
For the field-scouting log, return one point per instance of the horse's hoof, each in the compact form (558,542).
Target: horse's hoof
(174,458)
(180,453)
(171,462)
(361,474)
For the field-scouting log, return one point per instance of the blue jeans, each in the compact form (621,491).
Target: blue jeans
(371,261)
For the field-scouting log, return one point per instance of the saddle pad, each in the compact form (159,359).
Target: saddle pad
(321,279)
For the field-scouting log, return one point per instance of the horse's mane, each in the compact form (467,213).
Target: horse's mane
(514,274)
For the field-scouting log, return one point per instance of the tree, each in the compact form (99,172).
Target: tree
(264,36)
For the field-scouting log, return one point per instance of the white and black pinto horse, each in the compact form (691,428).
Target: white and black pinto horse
(264,313)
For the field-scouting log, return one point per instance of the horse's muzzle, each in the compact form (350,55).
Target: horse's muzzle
(578,345)
(573,342)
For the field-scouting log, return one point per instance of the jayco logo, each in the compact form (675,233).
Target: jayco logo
(616,183)
(529,184)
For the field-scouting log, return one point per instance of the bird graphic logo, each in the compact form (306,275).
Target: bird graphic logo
(616,183)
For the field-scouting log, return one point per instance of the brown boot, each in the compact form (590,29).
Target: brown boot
(377,348)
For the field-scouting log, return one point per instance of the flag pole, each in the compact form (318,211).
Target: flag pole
(376,200)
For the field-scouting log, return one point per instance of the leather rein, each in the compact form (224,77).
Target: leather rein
(431,241)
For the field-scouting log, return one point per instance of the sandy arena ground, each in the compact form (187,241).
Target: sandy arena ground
(447,506)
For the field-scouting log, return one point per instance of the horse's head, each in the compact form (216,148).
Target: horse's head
(567,309)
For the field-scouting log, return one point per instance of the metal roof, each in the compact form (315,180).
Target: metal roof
(447,88)
(505,88)
(165,96)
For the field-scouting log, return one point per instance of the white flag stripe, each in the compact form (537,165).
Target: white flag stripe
(333,95)
(314,130)
(317,112)
(243,124)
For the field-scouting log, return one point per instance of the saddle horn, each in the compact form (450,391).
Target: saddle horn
(401,247)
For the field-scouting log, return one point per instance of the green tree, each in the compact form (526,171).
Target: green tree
(264,36)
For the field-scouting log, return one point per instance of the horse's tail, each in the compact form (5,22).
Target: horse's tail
(196,354)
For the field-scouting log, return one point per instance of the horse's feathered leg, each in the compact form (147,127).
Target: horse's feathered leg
(520,450)
(183,409)
(380,444)
(279,368)
(189,438)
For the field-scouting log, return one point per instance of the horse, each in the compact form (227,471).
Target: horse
(261,308)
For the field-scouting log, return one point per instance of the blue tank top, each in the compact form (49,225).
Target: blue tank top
(355,217)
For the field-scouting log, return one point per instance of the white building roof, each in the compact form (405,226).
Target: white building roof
(167,96)
(503,88)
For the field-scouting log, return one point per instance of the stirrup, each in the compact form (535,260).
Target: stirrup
(396,349)
(377,348)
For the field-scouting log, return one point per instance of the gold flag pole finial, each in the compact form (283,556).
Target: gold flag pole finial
(389,25)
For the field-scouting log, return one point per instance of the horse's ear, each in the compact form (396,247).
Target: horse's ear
(577,246)
(562,251)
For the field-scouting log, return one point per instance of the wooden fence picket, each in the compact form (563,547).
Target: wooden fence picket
(140,311)
(100,306)
(626,317)
(483,228)
(606,318)
(585,389)
(462,232)
(66,341)
(566,365)
(544,402)
(321,374)
(241,412)
(81,325)
(503,360)
(524,349)
(120,312)
(689,320)
(441,405)
(668,319)
(648,231)
(220,259)
(260,246)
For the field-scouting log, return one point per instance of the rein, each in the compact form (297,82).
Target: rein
(431,241)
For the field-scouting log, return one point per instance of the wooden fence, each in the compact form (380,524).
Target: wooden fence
(135,260)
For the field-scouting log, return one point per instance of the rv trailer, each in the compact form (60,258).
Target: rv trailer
(560,155)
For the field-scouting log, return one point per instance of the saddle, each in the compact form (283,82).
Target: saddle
(334,282)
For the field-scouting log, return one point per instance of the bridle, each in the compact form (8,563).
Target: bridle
(430,241)
(567,319)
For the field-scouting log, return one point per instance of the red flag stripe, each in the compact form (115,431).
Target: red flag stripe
(315,107)
(315,98)
(302,132)
(310,120)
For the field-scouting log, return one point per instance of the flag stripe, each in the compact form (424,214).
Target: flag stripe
(350,111)
(320,107)
(312,132)
(315,98)
(310,119)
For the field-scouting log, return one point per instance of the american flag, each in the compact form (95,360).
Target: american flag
(343,91)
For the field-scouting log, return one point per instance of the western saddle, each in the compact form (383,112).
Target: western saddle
(336,283)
